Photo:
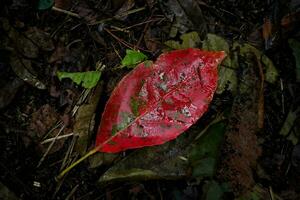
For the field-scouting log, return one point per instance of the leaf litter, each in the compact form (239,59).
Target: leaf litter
(79,35)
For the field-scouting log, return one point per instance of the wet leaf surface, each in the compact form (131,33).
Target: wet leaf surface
(163,100)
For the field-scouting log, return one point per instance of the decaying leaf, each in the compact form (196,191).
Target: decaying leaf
(213,190)
(295,46)
(155,103)
(163,161)
(189,40)
(271,73)
(40,38)
(86,79)
(8,91)
(22,68)
(127,5)
(288,125)
(84,121)
(228,76)
(185,15)
(172,160)
(203,155)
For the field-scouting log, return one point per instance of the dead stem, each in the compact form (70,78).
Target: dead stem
(261,95)
(50,146)
(65,12)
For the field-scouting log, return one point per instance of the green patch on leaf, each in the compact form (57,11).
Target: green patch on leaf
(86,79)
(148,63)
(45,4)
(189,40)
(134,104)
(111,142)
(133,58)
(126,119)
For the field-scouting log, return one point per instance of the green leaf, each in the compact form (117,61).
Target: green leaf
(86,79)
(45,4)
(295,46)
(133,58)
(204,153)
(189,40)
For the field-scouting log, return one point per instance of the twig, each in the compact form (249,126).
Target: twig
(72,192)
(58,138)
(118,39)
(271,193)
(261,99)
(142,34)
(50,146)
(66,12)
(68,153)
(282,96)
(122,15)
(145,22)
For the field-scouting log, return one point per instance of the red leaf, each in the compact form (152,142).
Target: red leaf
(155,103)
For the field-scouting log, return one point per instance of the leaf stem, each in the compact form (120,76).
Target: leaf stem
(91,152)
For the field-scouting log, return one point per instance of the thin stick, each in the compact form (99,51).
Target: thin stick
(261,100)
(50,146)
(282,96)
(58,138)
(66,12)
(122,15)
(118,39)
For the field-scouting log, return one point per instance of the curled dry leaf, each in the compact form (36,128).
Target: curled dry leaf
(157,102)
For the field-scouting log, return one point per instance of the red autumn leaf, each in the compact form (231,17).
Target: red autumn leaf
(155,103)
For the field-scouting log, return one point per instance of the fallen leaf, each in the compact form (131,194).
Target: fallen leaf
(288,125)
(86,79)
(22,68)
(171,160)
(228,76)
(185,15)
(213,190)
(40,38)
(203,156)
(84,121)
(295,46)
(155,103)
(189,40)
(133,58)
(8,91)
(127,5)
(271,73)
